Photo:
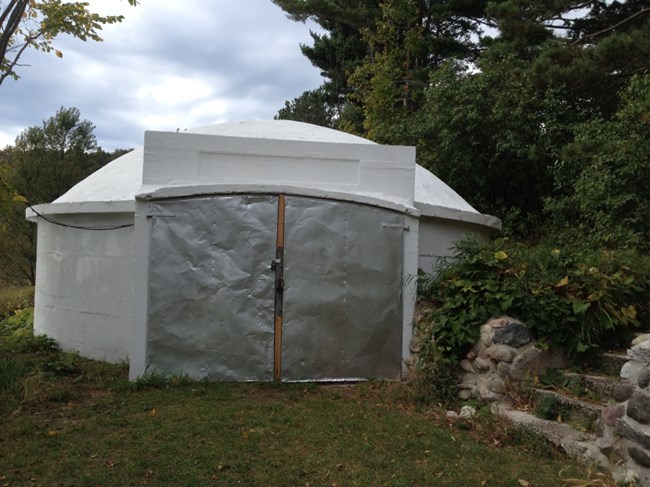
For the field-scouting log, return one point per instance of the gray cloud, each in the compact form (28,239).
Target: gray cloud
(169,65)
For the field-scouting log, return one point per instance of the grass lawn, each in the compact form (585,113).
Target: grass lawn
(72,422)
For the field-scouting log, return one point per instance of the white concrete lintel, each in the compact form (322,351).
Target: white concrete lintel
(185,159)
(158,193)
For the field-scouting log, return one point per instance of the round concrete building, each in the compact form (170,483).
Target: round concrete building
(247,251)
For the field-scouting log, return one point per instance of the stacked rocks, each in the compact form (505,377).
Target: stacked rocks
(505,353)
(634,425)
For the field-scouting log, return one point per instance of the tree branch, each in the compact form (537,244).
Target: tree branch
(7,9)
(10,68)
(13,23)
(618,24)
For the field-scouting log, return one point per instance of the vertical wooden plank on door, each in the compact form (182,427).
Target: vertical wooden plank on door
(279,287)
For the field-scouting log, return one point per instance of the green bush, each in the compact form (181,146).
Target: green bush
(575,298)
(20,323)
(17,334)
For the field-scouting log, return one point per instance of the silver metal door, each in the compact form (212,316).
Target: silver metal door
(211,289)
(329,309)
(342,315)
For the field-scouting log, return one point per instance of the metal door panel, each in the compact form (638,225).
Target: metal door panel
(342,291)
(211,292)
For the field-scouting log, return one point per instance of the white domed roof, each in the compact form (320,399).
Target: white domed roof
(121,179)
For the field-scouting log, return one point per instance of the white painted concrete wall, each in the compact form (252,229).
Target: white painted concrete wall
(84,282)
(438,236)
(184,159)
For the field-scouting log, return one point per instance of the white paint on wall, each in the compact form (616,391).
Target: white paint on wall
(84,286)
(437,239)
(184,159)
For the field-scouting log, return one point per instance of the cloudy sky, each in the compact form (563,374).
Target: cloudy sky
(171,64)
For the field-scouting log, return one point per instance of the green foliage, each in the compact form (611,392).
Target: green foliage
(17,334)
(576,299)
(12,373)
(550,407)
(335,53)
(45,162)
(504,172)
(64,363)
(37,23)
(603,180)
(553,379)
(310,107)
(542,123)
(12,299)
(158,380)
(408,42)
(434,381)
(20,323)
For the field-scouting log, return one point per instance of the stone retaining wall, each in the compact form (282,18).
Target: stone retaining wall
(505,354)
(625,428)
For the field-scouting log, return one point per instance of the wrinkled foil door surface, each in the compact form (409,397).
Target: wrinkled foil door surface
(211,289)
(342,316)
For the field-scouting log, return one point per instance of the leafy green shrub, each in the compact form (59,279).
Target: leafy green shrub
(435,383)
(553,379)
(64,363)
(577,299)
(550,407)
(20,323)
(17,334)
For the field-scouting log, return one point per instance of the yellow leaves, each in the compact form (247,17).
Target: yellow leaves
(58,53)
(52,433)
(500,255)
(18,198)
(523,483)
(563,282)
(629,312)
(153,413)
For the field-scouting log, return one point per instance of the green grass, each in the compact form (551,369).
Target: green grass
(83,424)
(13,298)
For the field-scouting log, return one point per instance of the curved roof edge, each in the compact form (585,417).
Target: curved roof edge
(120,181)
(80,208)
(434,211)
(194,191)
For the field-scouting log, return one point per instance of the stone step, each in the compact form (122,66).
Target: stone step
(566,406)
(600,387)
(611,363)
(585,447)
(573,442)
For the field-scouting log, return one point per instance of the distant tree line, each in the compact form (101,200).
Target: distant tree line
(537,112)
(44,163)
